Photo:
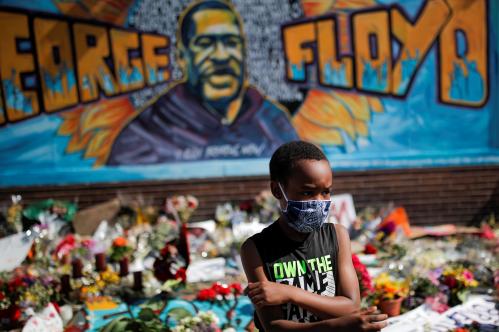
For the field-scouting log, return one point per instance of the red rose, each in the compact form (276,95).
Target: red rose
(15,313)
(207,294)
(365,282)
(236,288)
(168,251)
(181,274)
(246,206)
(450,281)
(369,249)
(17,282)
(220,289)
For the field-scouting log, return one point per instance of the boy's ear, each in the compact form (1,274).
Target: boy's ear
(276,191)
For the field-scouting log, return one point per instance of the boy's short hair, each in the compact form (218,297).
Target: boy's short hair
(285,157)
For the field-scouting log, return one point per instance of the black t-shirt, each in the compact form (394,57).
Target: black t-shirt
(311,265)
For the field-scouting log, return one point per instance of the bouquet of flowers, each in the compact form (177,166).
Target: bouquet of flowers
(421,290)
(222,293)
(267,207)
(96,285)
(365,281)
(23,291)
(120,249)
(203,321)
(224,214)
(182,207)
(458,281)
(386,287)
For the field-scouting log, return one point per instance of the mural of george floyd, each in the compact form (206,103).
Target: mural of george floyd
(135,91)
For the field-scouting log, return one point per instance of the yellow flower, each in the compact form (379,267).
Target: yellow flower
(110,277)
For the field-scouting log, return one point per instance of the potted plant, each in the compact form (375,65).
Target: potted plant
(389,293)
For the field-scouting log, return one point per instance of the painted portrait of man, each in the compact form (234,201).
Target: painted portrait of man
(213,112)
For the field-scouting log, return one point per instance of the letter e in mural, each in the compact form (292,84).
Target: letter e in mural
(55,61)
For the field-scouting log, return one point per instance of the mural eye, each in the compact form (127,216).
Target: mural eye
(232,41)
(205,42)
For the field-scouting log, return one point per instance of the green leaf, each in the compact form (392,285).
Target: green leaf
(153,304)
(463,295)
(116,325)
(179,313)
(147,314)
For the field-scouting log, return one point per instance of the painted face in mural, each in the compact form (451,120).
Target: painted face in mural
(213,57)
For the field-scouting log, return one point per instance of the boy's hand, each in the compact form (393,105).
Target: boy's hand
(266,293)
(364,320)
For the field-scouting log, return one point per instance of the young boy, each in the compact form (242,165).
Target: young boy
(299,269)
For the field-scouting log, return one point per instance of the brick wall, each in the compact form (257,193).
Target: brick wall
(430,195)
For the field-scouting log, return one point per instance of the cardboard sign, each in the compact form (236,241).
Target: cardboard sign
(343,210)
(86,221)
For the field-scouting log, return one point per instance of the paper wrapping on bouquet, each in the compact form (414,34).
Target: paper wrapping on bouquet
(212,269)
(46,321)
(14,249)
(86,221)
(400,218)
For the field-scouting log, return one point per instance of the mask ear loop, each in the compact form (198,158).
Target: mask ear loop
(285,197)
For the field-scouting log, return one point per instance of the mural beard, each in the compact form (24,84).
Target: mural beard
(220,85)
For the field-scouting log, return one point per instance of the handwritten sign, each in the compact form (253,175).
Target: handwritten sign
(343,210)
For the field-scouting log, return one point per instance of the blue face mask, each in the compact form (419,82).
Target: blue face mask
(306,216)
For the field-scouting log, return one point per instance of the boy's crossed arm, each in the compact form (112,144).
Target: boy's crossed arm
(339,312)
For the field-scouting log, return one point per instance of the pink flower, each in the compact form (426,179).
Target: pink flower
(87,243)
(437,303)
(468,275)
(434,276)
(487,232)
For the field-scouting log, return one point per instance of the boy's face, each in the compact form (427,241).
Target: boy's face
(310,180)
